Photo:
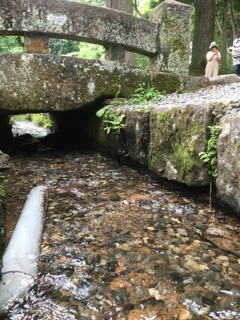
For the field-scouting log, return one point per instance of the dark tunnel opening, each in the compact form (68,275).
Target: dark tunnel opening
(68,129)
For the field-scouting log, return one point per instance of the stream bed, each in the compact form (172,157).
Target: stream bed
(120,244)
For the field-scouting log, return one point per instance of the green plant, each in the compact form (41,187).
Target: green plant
(20,117)
(2,194)
(11,44)
(101,111)
(209,157)
(115,121)
(141,61)
(143,95)
(39,119)
(115,124)
(106,108)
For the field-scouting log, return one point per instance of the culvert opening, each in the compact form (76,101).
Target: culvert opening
(37,125)
(68,129)
(23,132)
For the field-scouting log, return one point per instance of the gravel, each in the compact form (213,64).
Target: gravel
(212,93)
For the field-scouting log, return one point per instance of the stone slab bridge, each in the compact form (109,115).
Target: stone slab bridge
(36,81)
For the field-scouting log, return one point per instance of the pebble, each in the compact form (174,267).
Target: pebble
(212,93)
(104,264)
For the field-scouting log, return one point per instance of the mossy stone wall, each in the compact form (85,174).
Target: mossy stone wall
(166,139)
(177,135)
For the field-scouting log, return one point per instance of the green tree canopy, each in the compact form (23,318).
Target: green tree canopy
(11,44)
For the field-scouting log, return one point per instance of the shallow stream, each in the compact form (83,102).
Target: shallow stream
(120,244)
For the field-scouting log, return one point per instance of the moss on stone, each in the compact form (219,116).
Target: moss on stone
(167,82)
(94,130)
(157,147)
(2,195)
(174,143)
(184,153)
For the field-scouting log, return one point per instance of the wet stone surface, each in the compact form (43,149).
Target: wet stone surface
(118,244)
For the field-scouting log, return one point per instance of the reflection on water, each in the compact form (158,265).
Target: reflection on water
(118,244)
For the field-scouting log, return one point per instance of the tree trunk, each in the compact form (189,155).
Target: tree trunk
(121,5)
(233,20)
(204,24)
(224,35)
(116,52)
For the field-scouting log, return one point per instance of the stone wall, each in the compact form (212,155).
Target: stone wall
(228,181)
(168,139)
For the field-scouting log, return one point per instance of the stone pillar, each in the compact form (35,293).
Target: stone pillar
(174,20)
(115,53)
(36,43)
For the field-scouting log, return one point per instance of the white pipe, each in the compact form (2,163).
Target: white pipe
(21,256)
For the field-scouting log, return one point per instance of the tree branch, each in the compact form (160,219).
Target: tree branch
(135,7)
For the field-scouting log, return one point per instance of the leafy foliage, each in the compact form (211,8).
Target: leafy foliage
(77,49)
(141,61)
(141,95)
(144,95)
(90,51)
(62,46)
(209,157)
(101,111)
(115,121)
(11,44)
(40,119)
(115,124)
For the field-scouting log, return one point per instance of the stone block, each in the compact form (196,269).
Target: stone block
(228,150)
(178,133)
(174,20)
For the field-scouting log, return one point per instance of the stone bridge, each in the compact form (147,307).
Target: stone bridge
(36,81)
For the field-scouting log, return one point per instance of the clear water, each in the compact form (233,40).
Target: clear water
(119,244)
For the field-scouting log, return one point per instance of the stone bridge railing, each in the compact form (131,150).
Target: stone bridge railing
(39,82)
(164,38)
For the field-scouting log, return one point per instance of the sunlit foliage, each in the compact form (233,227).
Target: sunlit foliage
(11,44)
